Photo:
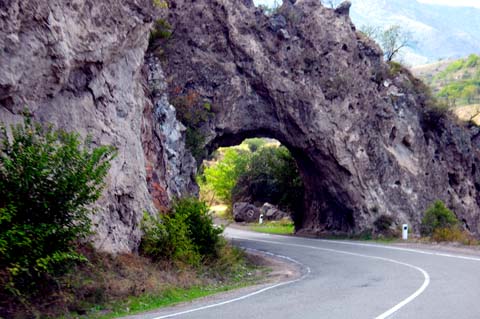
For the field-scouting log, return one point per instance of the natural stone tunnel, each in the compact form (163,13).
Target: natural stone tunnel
(364,138)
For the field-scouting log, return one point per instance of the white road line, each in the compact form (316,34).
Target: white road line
(390,311)
(412,250)
(308,271)
(384,315)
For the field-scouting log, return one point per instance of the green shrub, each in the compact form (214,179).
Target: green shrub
(166,237)
(161,30)
(186,234)
(48,180)
(203,233)
(437,216)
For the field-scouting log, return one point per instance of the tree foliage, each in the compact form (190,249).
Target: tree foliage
(264,172)
(271,176)
(223,175)
(48,180)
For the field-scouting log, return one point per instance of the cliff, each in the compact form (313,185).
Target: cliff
(365,139)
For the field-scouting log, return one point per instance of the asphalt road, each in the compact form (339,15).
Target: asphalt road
(343,279)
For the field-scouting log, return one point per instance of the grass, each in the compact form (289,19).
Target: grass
(169,297)
(274,227)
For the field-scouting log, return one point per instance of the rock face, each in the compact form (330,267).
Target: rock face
(78,65)
(245,212)
(363,136)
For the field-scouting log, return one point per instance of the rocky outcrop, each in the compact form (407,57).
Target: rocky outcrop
(364,139)
(78,65)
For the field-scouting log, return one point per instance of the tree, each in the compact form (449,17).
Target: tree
(223,175)
(48,182)
(270,10)
(370,31)
(392,39)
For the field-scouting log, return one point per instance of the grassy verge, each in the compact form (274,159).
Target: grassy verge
(274,227)
(168,297)
(110,286)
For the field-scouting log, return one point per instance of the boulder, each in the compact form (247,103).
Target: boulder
(245,212)
(271,212)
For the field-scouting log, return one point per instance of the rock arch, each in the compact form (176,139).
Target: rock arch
(365,138)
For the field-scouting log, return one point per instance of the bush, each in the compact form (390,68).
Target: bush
(161,30)
(203,233)
(48,179)
(166,237)
(437,216)
(187,234)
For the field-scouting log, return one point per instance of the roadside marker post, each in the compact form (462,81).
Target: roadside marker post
(405,231)
(260,219)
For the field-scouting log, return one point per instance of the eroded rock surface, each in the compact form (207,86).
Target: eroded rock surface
(364,138)
(78,65)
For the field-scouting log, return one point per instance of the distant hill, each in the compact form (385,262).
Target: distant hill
(457,82)
(440,31)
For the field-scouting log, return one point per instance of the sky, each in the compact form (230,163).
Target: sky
(465,3)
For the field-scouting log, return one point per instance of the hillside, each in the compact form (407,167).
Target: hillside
(438,31)
(457,82)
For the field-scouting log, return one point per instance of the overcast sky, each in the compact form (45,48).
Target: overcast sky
(466,3)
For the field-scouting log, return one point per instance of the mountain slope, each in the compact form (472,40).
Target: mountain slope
(438,31)
(456,82)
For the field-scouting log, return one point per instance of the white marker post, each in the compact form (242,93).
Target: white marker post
(260,219)
(405,231)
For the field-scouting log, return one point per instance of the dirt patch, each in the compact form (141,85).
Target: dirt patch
(279,269)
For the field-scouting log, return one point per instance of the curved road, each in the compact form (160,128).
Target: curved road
(343,279)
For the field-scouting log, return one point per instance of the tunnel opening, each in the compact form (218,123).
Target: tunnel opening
(249,177)
(314,201)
